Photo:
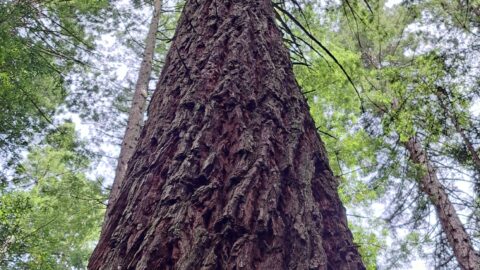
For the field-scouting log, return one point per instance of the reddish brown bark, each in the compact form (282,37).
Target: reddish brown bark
(453,228)
(229,172)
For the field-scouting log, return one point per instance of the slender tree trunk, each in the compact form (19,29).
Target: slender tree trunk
(453,117)
(451,225)
(137,109)
(443,98)
(229,172)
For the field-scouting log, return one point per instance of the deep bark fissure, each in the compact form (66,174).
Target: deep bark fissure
(229,172)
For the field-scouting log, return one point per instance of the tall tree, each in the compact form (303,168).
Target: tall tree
(387,72)
(138,106)
(402,89)
(453,228)
(229,171)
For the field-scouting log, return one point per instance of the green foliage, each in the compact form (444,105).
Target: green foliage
(398,71)
(40,42)
(370,243)
(51,213)
(51,218)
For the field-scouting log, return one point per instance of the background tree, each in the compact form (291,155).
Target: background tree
(40,42)
(375,34)
(139,102)
(51,217)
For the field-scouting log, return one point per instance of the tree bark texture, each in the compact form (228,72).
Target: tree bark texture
(229,172)
(137,109)
(457,237)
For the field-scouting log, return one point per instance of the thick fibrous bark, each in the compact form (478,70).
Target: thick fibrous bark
(229,172)
(451,224)
(137,109)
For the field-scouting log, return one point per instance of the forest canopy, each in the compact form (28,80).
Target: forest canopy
(392,86)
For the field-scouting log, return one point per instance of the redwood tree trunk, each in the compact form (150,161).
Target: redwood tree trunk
(229,172)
